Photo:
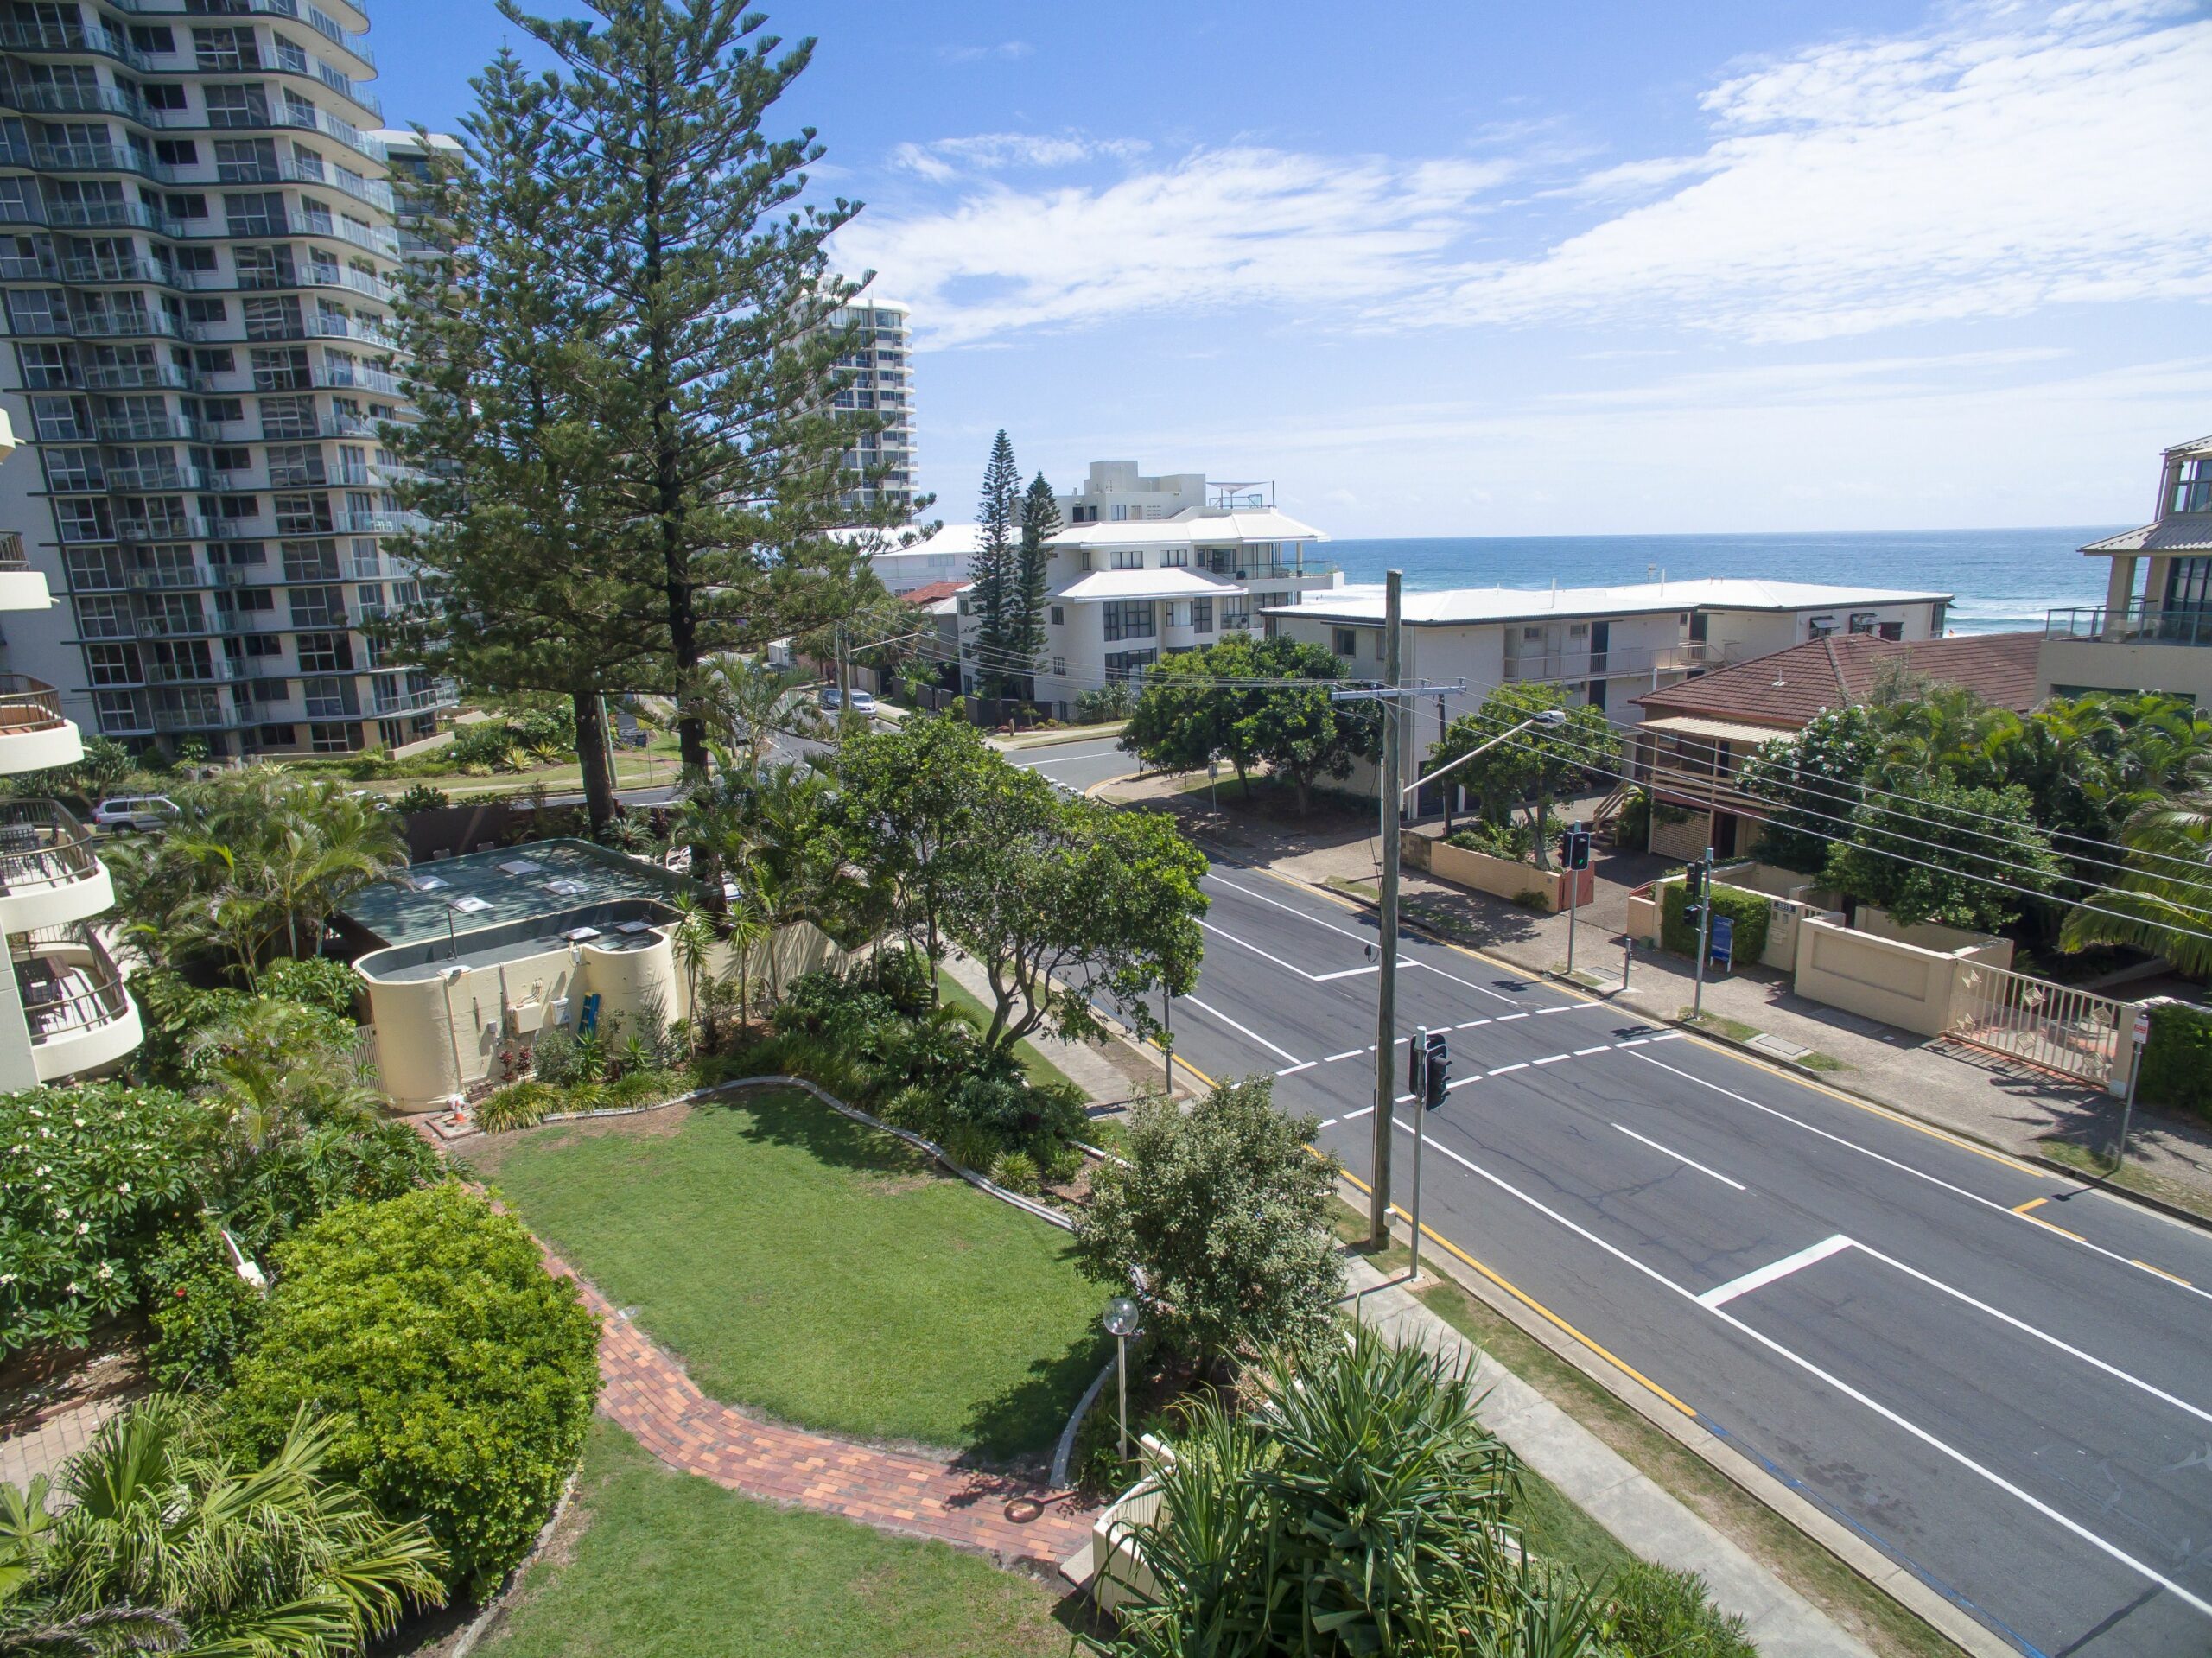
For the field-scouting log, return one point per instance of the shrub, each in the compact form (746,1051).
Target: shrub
(421,797)
(96,1174)
(1658,1612)
(294,1182)
(459,1375)
(488,745)
(1103,702)
(1059,1162)
(2177,1060)
(201,1311)
(313,982)
(554,1059)
(1747,911)
(903,977)
(1018,1171)
(1632,822)
(518,1105)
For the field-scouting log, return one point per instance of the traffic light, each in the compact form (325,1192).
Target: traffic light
(1574,847)
(1436,1069)
(1692,883)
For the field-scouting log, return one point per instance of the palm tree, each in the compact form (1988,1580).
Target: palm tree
(280,1067)
(692,939)
(166,1528)
(745,702)
(2164,904)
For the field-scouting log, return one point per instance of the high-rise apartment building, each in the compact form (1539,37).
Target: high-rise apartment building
(878,376)
(197,243)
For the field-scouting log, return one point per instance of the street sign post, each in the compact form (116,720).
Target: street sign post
(2139,1039)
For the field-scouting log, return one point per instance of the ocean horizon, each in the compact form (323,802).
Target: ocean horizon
(2002,580)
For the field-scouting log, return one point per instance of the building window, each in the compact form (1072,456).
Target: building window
(1126,558)
(1129,618)
(1862,621)
(1343,641)
(1202,615)
(326,653)
(333,740)
(1128,665)
(1819,627)
(1059,667)
(1174,558)
(1060,616)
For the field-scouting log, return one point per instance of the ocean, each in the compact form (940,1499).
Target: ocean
(2004,579)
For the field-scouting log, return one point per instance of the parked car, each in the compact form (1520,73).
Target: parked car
(144,812)
(861,702)
(830,698)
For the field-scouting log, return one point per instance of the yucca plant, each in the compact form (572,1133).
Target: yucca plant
(168,1536)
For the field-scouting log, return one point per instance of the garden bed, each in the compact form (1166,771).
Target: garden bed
(816,1269)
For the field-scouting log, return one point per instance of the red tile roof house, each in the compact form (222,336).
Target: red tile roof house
(1694,736)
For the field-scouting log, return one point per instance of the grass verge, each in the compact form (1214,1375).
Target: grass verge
(2098,1165)
(1735,1031)
(1855,1604)
(817,1269)
(648,1560)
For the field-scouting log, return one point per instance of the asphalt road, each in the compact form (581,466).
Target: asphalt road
(1077,765)
(2000,1379)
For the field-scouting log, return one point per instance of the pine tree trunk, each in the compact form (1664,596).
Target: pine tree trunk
(591,752)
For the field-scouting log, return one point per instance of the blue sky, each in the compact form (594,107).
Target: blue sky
(1474,268)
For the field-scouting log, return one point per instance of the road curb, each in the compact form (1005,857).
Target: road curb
(2102,1185)
(1815,1523)
(1053,739)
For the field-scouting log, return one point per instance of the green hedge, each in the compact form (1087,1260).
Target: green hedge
(1747,910)
(2178,1063)
(460,1373)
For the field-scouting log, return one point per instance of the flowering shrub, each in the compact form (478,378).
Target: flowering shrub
(89,1177)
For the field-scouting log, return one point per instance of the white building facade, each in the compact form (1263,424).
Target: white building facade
(1148,566)
(877,378)
(63,1010)
(197,245)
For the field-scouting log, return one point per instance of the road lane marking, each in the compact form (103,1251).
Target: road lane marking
(1347,973)
(1530,1301)
(1350,1116)
(1637,1042)
(1290,909)
(2027,1499)
(1670,1151)
(1349,1053)
(1551,1059)
(2032,1203)
(2027,1328)
(1501,1070)
(1241,1030)
(1907,1168)
(2163,1273)
(1584,1053)
(1499,996)
(1293,1070)
(1507,1019)
(1759,1277)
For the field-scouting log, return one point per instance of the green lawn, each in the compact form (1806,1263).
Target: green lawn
(817,1269)
(650,1563)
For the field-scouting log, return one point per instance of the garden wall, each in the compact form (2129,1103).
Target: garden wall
(1897,983)
(1500,877)
(1986,948)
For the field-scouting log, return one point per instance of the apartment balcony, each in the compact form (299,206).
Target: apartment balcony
(71,40)
(79,1016)
(444,694)
(2140,622)
(375,191)
(140,376)
(34,735)
(49,875)
(216,670)
(21,587)
(1559,667)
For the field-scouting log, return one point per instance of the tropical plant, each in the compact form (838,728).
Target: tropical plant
(459,1373)
(1945,853)
(1223,1212)
(994,571)
(275,1068)
(1359,1508)
(907,801)
(1533,768)
(1184,717)
(164,1521)
(1813,779)
(2163,903)
(745,702)
(1295,728)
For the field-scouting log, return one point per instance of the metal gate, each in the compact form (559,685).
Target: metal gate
(2054,1026)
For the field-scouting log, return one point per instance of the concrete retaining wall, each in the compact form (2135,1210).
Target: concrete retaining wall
(1500,877)
(1986,948)
(1897,983)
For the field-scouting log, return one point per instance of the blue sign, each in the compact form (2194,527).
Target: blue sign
(1724,941)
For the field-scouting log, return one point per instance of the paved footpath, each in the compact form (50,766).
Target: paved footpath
(645,1391)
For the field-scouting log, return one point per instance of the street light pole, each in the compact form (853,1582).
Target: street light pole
(1386,999)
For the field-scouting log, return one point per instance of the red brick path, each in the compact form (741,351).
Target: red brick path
(645,1391)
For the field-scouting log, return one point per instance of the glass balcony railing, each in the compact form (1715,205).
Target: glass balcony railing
(2140,622)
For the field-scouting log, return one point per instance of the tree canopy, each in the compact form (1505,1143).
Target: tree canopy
(1532,768)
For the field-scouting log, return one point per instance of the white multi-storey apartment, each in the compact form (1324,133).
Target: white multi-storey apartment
(878,376)
(63,1009)
(197,243)
(1147,567)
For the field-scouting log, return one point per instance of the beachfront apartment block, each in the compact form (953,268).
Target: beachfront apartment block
(876,378)
(198,239)
(1599,645)
(1147,567)
(2154,631)
(63,1010)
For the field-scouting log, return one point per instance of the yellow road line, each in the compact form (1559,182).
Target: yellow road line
(2032,1203)
(1534,1305)
(2163,1273)
(1207,1081)
(2038,1220)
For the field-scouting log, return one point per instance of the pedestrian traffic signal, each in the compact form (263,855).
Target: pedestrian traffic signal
(1574,847)
(1693,883)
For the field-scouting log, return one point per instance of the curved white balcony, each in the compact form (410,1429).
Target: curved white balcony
(80,1017)
(21,587)
(34,735)
(49,875)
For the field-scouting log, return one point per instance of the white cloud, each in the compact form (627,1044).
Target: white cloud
(1001,52)
(2024,153)
(1240,227)
(2039,156)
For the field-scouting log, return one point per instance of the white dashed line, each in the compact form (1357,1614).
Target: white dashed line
(1501,1070)
(1584,1053)
(1504,1017)
(1551,1059)
(1293,1070)
(1349,1053)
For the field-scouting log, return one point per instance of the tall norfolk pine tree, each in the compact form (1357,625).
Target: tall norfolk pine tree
(526,587)
(995,568)
(1040,522)
(706,271)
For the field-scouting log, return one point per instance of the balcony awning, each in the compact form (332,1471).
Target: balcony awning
(1726,731)
(1174,583)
